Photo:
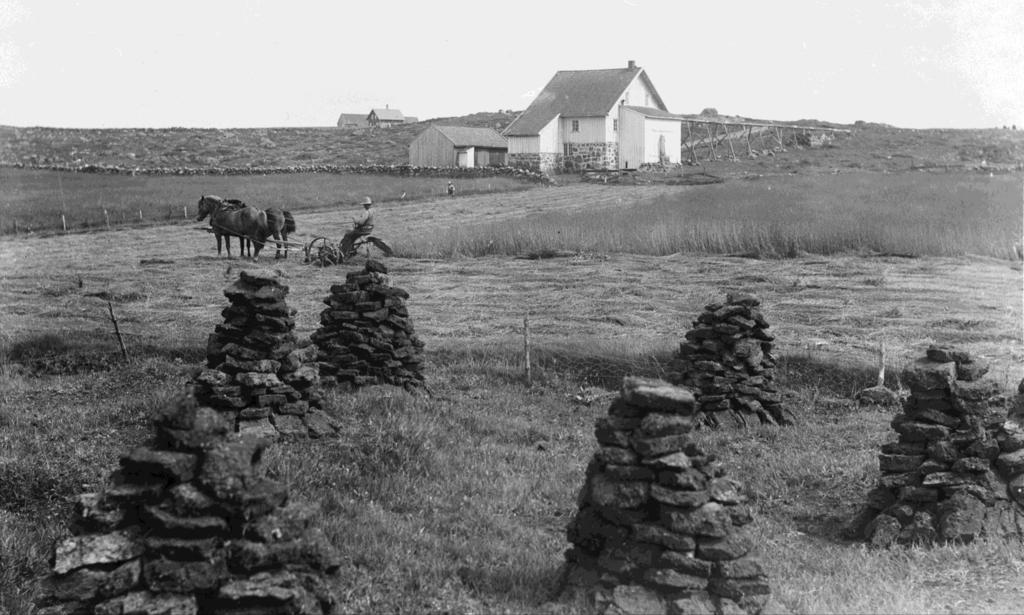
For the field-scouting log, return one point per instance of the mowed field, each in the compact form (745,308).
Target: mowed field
(457,501)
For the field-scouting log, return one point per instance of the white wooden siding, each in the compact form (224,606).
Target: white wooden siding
(592,130)
(639,95)
(631,138)
(524,145)
(548,138)
(671,130)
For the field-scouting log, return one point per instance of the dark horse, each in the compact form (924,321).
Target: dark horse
(232,218)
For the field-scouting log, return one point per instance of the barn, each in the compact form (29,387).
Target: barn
(462,146)
(582,119)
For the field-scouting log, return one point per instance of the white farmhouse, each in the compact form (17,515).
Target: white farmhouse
(595,119)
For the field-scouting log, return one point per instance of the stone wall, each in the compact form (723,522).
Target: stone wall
(956,469)
(526,172)
(583,156)
(659,526)
(257,371)
(727,361)
(536,163)
(366,335)
(189,525)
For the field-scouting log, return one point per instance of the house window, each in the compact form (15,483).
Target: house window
(615,125)
(575,125)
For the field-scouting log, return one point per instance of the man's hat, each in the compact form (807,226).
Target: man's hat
(367,201)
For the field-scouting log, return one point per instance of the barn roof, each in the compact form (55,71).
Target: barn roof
(578,93)
(358,119)
(388,114)
(467,136)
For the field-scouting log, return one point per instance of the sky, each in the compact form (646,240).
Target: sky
(299,63)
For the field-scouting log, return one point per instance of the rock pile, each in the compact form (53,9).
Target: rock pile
(956,471)
(659,527)
(726,360)
(256,369)
(366,336)
(190,525)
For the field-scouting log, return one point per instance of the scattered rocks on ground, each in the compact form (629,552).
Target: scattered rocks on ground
(956,470)
(659,526)
(189,525)
(257,371)
(366,336)
(727,362)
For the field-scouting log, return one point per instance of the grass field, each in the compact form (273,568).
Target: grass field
(914,214)
(457,502)
(35,200)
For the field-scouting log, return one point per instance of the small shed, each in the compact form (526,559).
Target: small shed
(458,146)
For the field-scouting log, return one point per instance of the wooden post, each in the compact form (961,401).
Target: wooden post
(117,332)
(184,211)
(750,150)
(729,140)
(712,155)
(140,215)
(881,363)
(526,349)
(778,135)
(63,223)
(106,217)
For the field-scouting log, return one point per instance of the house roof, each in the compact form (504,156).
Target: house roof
(578,93)
(467,136)
(655,113)
(388,114)
(352,118)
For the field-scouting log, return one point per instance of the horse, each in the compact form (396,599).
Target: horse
(246,222)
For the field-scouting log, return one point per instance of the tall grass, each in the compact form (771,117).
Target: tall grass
(36,200)
(913,214)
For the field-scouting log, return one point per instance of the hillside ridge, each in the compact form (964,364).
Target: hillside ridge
(869,146)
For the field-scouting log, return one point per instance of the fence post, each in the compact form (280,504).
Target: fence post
(63,223)
(117,332)
(106,217)
(526,349)
(140,215)
(184,211)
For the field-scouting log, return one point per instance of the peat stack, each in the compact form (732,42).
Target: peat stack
(256,369)
(956,470)
(726,361)
(366,336)
(190,525)
(659,526)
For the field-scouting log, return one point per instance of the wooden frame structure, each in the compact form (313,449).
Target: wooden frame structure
(772,137)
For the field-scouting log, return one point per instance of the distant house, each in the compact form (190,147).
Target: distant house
(352,120)
(458,146)
(383,118)
(595,119)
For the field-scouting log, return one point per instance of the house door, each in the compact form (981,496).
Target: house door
(463,159)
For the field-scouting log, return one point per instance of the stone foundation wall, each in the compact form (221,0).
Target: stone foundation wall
(583,156)
(956,470)
(659,526)
(536,163)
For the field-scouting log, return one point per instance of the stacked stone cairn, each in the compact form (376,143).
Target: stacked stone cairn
(659,526)
(188,525)
(956,471)
(257,371)
(727,362)
(366,336)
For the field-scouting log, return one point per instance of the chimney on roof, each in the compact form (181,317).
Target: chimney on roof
(631,65)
